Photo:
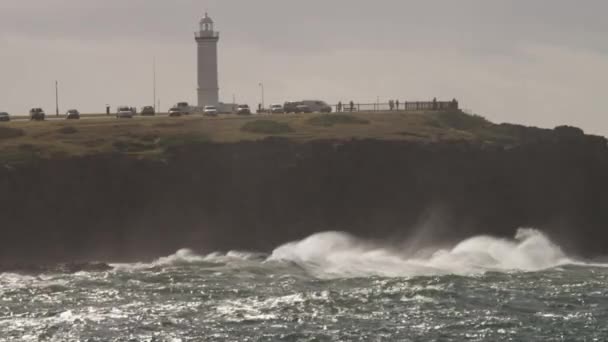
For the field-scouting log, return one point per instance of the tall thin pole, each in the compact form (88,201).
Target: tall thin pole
(57,98)
(262,86)
(154,82)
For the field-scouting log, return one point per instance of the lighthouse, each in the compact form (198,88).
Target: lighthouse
(208,84)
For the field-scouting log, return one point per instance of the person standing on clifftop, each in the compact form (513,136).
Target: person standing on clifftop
(339,107)
(397,104)
(352,106)
(391,104)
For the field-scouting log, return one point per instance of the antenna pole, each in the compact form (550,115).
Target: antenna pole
(57,98)
(154,82)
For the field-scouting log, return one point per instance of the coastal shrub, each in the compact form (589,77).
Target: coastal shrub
(460,120)
(21,154)
(149,137)
(266,127)
(9,132)
(413,134)
(68,130)
(28,148)
(182,140)
(126,146)
(336,119)
(569,132)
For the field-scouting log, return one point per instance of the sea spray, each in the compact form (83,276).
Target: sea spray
(340,255)
(335,254)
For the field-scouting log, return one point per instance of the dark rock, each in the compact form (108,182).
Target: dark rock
(258,195)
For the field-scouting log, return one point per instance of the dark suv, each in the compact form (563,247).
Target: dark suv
(148,110)
(37,114)
(72,114)
(307,106)
(291,107)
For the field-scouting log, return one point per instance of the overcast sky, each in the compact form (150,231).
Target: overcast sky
(538,62)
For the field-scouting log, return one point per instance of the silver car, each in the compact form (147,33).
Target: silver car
(124,113)
(277,109)
(175,112)
(210,110)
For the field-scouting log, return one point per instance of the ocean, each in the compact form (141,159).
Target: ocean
(328,287)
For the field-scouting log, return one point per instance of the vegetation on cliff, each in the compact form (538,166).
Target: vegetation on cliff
(266,127)
(22,141)
(336,119)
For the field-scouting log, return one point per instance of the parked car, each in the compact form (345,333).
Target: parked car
(277,109)
(317,106)
(313,106)
(148,111)
(124,112)
(303,109)
(184,108)
(4,116)
(243,110)
(210,110)
(72,114)
(291,107)
(175,112)
(37,114)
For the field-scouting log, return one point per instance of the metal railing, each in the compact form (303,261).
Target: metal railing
(396,106)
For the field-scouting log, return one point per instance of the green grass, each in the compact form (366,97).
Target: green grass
(128,146)
(336,119)
(459,120)
(477,126)
(21,154)
(267,127)
(9,132)
(158,137)
(182,140)
(68,130)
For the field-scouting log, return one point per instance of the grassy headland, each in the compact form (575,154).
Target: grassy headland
(152,137)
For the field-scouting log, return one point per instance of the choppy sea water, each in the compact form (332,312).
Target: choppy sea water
(329,287)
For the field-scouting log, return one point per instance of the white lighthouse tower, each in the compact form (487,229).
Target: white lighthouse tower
(208,84)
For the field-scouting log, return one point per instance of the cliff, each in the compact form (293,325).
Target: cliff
(254,194)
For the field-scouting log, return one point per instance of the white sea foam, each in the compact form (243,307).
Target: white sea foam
(341,255)
(185,257)
(336,254)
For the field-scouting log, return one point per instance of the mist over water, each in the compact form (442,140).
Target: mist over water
(330,286)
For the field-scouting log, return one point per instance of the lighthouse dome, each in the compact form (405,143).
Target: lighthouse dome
(206,24)
(207,19)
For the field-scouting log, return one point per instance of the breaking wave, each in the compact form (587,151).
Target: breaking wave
(340,255)
(336,254)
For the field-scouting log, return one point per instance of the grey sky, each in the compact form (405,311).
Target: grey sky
(539,62)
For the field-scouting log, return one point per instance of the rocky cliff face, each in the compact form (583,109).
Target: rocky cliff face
(257,195)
